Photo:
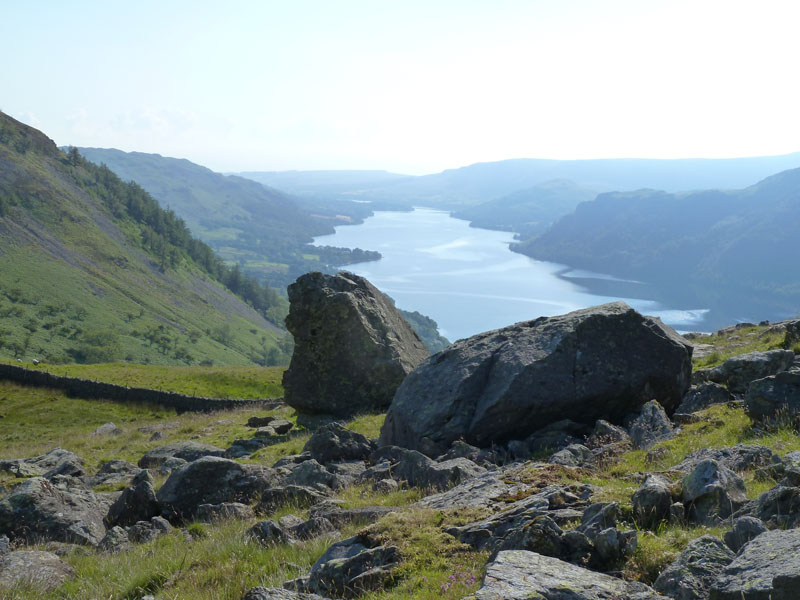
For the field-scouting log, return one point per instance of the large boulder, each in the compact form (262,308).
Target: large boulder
(352,346)
(768,568)
(334,442)
(42,570)
(691,575)
(602,362)
(36,510)
(712,492)
(524,575)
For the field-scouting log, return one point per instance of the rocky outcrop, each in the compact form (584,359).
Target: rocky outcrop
(768,568)
(352,346)
(602,362)
(186,450)
(37,510)
(42,570)
(775,399)
(523,575)
(736,373)
(212,480)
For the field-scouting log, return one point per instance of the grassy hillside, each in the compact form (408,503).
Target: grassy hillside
(93,271)
(257,227)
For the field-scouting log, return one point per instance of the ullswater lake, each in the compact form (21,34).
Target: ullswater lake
(469,281)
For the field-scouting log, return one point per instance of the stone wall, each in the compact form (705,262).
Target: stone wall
(84,388)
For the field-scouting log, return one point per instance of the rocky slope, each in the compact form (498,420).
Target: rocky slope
(705,504)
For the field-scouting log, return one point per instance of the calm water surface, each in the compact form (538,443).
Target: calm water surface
(466,278)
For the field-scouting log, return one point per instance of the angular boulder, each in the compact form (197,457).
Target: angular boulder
(334,442)
(524,575)
(42,570)
(712,492)
(768,568)
(598,363)
(186,450)
(775,399)
(737,372)
(36,510)
(352,346)
(691,575)
(212,480)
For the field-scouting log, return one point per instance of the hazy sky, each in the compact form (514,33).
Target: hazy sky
(405,85)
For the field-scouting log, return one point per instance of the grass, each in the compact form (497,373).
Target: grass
(213,382)
(739,341)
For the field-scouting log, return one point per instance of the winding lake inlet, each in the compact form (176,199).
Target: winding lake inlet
(467,279)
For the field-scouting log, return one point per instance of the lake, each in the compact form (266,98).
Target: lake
(468,280)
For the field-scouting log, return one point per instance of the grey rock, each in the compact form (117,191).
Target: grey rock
(340,517)
(267,533)
(352,346)
(114,472)
(574,455)
(523,575)
(736,373)
(291,460)
(313,527)
(601,362)
(55,462)
(420,471)
(597,517)
(107,429)
(348,472)
(43,570)
(702,396)
(377,472)
(212,480)
(768,568)
(677,514)
(385,486)
(556,436)
(744,529)
(774,400)
(652,501)
(116,540)
(5,545)
(186,450)
(741,457)
(37,510)
(257,422)
(650,427)
(211,513)
(461,449)
(606,433)
(262,593)
(779,507)
(173,463)
(136,503)
(334,443)
(146,531)
(612,546)
(690,575)
(314,475)
(296,496)
(712,492)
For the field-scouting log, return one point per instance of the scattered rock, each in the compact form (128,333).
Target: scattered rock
(136,503)
(741,457)
(187,450)
(262,593)
(146,531)
(736,373)
(774,400)
(340,517)
(107,429)
(114,472)
(333,442)
(314,475)
(212,480)
(288,495)
(116,540)
(267,533)
(385,486)
(212,513)
(691,575)
(37,510)
(712,492)
(702,396)
(574,455)
(601,362)
(352,346)
(257,422)
(42,570)
(744,529)
(767,568)
(779,507)
(523,575)
(652,501)
(650,427)
(605,433)
(313,527)
(56,462)
(420,471)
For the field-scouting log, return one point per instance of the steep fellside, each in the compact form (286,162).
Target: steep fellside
(93,271)
(730,251)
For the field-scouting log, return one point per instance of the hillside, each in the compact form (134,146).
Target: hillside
(455,189)
(94,271)
(728,250)
(530,211)
(261,228)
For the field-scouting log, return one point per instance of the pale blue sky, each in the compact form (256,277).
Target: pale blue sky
(409,86)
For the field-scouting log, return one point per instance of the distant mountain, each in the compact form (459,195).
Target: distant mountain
(735,251)
(324,183)
(528,212)
(93,270)
(261,228)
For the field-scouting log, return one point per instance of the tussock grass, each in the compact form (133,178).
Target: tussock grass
(730,344)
